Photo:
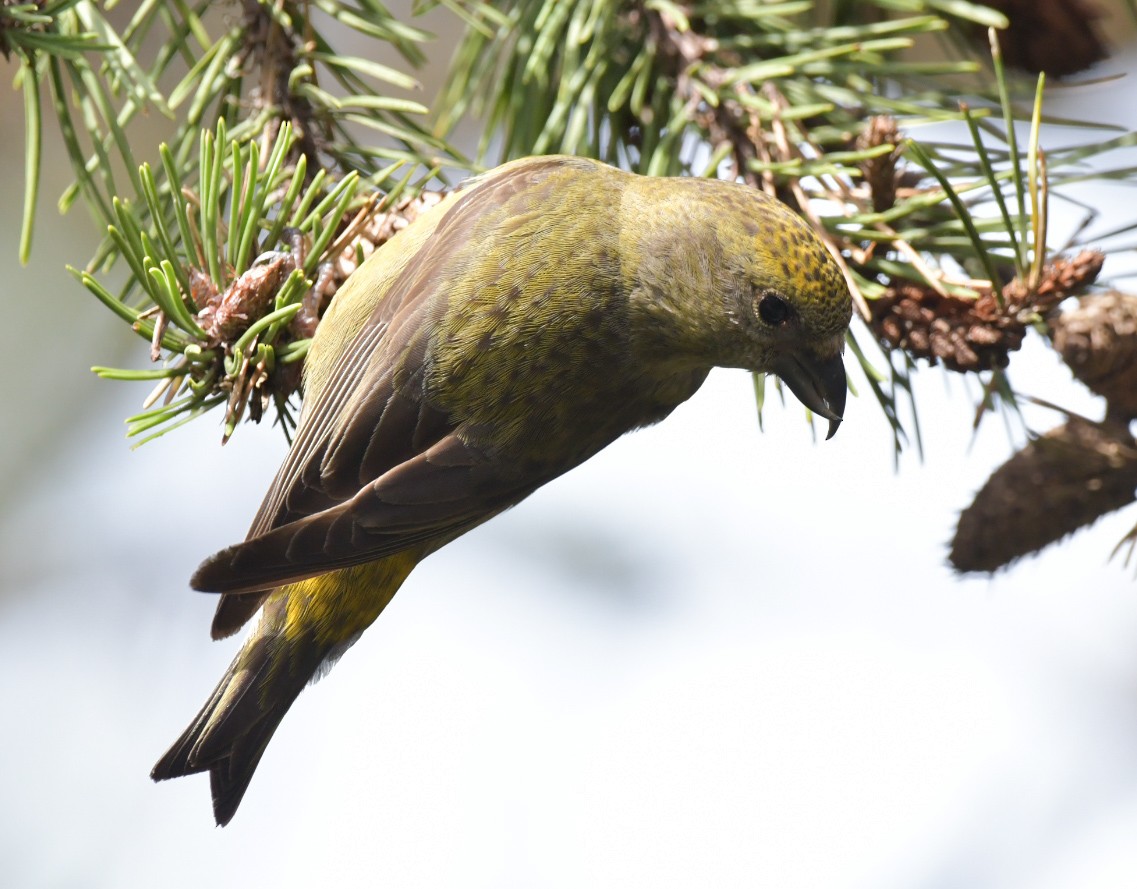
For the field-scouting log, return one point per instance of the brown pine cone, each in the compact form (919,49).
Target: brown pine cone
(1056,36)
(881,173)
(1098,340)
(975,334)
(1067,478)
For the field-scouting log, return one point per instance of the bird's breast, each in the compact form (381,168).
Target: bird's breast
(537,371)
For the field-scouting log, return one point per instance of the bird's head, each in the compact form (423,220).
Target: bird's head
(737,279)
(796,307)
(787,306)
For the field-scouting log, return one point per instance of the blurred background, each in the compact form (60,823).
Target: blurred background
(709,657)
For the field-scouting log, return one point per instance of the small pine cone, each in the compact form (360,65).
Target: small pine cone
(365,238)
(1066,276)
(1098,340)
(1055,36)
(224,317)
(881,173)
(965,334)
(975,334)
(1060,482)
(381,228)
(1061,277)
(372,234)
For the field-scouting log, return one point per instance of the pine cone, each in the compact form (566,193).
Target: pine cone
(372,234)
(1055,36)
(881,173)
(966,335)
(225,316)
(975,334)
(1068,478)
(1098,340)
(381,228)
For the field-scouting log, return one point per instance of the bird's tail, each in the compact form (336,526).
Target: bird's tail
(305,626)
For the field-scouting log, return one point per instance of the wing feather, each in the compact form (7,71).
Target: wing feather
(296,490)
(432,498)
(339,447)
(374,468)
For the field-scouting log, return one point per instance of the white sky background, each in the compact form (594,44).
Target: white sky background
(708,657)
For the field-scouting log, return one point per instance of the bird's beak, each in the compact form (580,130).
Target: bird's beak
(818,383)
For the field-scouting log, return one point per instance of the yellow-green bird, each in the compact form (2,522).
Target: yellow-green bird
(527,321)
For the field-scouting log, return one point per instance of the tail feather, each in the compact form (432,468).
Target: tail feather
(229,735)
(234,610)
(304,628)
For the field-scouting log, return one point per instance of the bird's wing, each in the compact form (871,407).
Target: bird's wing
(425,501)
(362,414)
(374,469)
(368,418)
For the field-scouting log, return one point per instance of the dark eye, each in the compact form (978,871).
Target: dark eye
(773,309)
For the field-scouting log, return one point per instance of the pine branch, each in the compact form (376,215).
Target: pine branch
(236,272)
(234,242)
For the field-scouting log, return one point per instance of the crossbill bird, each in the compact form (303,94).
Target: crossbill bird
(531,318)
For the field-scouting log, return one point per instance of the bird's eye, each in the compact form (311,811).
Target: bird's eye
(773,309)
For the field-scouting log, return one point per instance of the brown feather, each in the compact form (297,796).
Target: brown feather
(430,500)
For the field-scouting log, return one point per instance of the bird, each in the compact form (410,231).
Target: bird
(533,316)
